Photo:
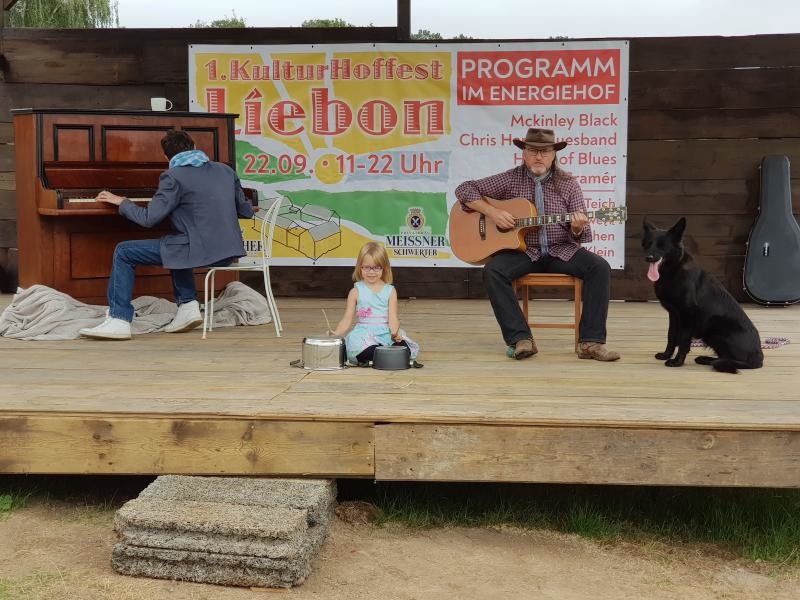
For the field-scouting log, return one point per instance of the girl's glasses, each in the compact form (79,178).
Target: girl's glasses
(371,268)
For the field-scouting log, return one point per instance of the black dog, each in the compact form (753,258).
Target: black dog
(698,306)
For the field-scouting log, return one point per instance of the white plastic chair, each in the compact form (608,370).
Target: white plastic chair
(267,233)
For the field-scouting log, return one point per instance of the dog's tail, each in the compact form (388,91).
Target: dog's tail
(728,365)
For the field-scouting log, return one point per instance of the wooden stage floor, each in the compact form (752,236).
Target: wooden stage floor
(231,404)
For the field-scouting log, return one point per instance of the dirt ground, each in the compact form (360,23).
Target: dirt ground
(63,552)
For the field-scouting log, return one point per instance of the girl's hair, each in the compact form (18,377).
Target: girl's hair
(378,254)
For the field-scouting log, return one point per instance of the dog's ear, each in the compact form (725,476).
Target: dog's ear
(676,231)
(648,227)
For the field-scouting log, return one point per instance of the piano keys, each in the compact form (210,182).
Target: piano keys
(65,157)
(66,198)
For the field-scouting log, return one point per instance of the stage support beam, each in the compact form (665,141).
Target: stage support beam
(221,446)
(593,455)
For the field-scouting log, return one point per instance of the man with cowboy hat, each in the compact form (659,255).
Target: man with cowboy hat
(552,248)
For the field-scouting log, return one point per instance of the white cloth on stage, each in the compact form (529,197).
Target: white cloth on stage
(42,313)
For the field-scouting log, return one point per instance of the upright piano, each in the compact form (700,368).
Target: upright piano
(65,157)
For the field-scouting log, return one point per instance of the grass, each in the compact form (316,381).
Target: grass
(585,520)
(27,588)
(11,499)
(757,524)
(88,498)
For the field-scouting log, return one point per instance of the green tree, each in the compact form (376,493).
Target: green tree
(64,14)
(424,34)
(232,22)
(326,23)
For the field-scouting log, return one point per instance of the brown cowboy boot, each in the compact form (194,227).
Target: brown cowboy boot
(524,349)
(596,350)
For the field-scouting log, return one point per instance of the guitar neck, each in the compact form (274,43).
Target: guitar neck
(548,219)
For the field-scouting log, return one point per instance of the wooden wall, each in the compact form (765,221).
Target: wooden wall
(703,112)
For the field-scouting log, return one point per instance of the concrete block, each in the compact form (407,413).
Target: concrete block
(205,567)
(313,495)
(228,531)
(212,518)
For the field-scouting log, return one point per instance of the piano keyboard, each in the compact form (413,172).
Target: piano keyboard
(94,199)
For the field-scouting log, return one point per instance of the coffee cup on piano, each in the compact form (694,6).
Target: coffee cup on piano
(160,104)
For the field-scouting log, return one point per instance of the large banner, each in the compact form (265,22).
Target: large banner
(369,141)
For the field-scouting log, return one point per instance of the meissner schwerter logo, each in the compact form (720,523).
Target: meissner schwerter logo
(415,219)
(415,240)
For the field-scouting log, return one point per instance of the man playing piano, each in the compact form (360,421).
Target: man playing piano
(203,200)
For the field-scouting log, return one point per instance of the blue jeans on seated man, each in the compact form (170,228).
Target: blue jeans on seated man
(133,253)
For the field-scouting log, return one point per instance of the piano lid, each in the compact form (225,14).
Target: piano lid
(81,134)
(114,111)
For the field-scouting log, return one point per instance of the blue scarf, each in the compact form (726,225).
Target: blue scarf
(539,200)
(190,158)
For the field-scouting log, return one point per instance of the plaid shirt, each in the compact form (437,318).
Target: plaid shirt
(516,183)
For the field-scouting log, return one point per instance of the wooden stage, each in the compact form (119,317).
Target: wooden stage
(231,404)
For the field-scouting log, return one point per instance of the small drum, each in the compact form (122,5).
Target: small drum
(322,354)
(391,358)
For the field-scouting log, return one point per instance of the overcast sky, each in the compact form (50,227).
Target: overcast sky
(492,18)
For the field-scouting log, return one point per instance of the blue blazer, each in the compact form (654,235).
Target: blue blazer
(203,205)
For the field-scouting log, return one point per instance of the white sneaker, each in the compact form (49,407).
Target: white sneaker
(188,317)
(110,329)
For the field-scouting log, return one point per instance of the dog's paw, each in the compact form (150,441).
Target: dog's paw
(674,362)
(663,355)
(704,360)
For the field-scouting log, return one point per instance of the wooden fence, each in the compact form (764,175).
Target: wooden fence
(703,112)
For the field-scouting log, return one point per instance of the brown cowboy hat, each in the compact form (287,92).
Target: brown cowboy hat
(539,138)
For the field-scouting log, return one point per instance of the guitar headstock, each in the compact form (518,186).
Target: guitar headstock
(612,213)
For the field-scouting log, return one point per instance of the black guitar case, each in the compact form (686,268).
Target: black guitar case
(772,261)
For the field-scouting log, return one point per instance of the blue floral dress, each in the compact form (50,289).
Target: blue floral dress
(372,325)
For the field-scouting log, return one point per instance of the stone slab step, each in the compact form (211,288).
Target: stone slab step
(313,495)
(202,567)
(212,518)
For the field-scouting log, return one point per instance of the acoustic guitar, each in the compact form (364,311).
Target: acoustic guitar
(474,237)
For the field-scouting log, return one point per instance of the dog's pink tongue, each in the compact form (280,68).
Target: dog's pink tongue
(652,271)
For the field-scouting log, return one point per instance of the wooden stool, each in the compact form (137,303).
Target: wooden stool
(551,279)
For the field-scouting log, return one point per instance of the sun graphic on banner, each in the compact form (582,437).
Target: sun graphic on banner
(327,170)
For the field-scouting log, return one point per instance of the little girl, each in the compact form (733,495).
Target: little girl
(373,300)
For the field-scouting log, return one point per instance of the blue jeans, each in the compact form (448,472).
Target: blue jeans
(133,253)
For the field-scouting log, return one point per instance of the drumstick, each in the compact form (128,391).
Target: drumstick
(328,323)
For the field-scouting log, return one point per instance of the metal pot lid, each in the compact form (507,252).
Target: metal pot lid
(324,341)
